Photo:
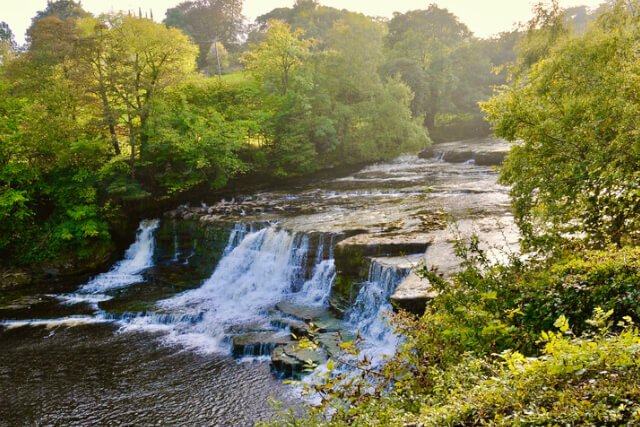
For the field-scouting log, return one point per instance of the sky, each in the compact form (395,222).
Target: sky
(483,17)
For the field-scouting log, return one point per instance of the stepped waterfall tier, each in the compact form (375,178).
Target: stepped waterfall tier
(207,303)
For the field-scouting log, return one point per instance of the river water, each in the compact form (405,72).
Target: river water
(182,329)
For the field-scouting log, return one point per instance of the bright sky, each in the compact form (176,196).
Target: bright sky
(484,17)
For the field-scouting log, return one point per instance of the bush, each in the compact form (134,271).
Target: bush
(482,352)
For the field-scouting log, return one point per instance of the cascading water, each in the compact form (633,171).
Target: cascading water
(316,291)
(260,268)
(367,313)
(176,248)
(137,258)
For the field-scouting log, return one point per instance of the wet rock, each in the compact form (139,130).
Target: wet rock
(258,344)
(302,312)
(40,307)
(172,214)
(490,159)
(14,280)
(137,298)
(176,276)
(482,152)
(331,341)
(298,328)
(413,294)
(289,361)
(328,324)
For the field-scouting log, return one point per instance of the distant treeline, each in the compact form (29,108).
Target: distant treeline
(100,115)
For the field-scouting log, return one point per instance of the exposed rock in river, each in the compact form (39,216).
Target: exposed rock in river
(482,152)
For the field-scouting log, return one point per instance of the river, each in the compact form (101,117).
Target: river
(193,325)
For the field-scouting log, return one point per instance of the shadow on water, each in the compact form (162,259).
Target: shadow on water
(88,375)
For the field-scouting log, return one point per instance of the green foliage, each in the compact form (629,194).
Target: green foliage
(576,286)
(65,104)
(486,351)
(574,171)
(280,60)
(190,142)
(447,69)
(587,381)
(208,20)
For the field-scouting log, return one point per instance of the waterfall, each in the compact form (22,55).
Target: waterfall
(261,266)
(237,234)
(367,313)
(137,258)
(260,269)
(176,248)
(316,290)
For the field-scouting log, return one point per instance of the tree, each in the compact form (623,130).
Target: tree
(7,41)
(93,59)
(315,19)
(280,60)
(574,170)
(64,10)
(6,35)
(427,48)
(192,141)
(371,118)
(208,20)
(129,62)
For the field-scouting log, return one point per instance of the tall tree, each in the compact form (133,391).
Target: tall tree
(419,47)
(145,59)
(208,20)
(64,10)
(573,115)
(281,59)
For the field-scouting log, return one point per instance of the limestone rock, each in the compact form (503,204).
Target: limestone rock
(258,344)
(289,361)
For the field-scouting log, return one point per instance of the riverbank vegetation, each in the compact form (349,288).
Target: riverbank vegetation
(550,338)
(103,118)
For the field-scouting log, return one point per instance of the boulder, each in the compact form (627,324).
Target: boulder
(302,312)
(413,294)
(258,343)
(289,361)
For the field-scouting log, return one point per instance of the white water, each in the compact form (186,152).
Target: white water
(367,313)
(259,270)
(316,291)
(137,258)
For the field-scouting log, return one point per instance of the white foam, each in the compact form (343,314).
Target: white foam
(137,258)
(53,323)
